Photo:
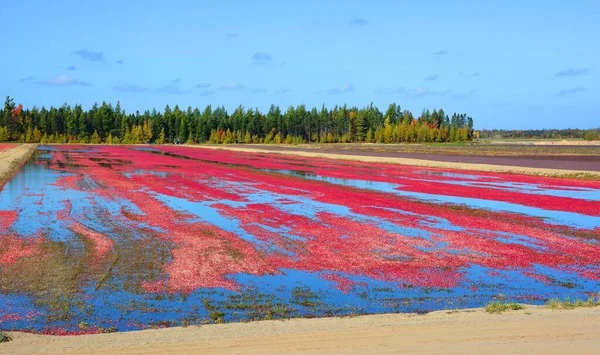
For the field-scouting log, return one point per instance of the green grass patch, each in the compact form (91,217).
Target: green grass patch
(4,338)
(558,304)
(499,307)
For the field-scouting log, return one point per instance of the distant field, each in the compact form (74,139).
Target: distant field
(494,148)
(569,157)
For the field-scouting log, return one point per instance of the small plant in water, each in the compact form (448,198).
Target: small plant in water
(217,317)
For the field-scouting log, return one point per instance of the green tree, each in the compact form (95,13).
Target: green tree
(590,136)
(161,137)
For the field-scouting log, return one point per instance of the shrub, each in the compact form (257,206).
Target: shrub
(590,136)
(568,304)
(217,317)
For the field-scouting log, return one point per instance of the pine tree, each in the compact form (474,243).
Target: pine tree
(161,137)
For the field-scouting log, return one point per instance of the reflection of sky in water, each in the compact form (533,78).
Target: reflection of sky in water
(579,192)
(447,174)
(554,217)
(35,194)
(38,197)
(520,187)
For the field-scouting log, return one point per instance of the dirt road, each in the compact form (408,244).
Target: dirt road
(533,330)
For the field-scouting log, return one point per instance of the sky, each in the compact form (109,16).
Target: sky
(508,64)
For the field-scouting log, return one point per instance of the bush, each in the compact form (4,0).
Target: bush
(217,317)
(590,136)
(568,304)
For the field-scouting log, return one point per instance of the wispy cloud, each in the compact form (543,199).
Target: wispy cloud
(388,91)
(422,92)
(232,35)
(130,88)
(87,54)
(261,58)
(176,80)
(258,90)
(171,89)
(27,79)
(441,52)
(207,93)
(357,21)
(71,68)
(475,74)
(573,72)
(432,77)
(281,91)
(413,92)
(120,61)
(232,87)
(344,89)
(202,86)
(63,80)
(460,96)
(571,91)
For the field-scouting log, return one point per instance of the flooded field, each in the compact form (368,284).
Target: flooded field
(6,146)
(101,238)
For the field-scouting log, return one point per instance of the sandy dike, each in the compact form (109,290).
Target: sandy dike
(533,330)
(413,162)
(12,159)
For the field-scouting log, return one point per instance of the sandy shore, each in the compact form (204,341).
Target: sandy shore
(533,330)
(415,162)
(12,159)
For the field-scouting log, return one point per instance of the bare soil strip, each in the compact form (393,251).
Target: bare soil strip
(12,159)
(519,156)
(416,162)
(533,330)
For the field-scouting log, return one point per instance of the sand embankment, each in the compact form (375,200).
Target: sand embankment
(12,159)
(533,330)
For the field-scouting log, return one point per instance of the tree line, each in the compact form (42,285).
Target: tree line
(567,133)
(112,125)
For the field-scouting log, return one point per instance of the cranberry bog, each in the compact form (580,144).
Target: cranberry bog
(6,146)
(118,238)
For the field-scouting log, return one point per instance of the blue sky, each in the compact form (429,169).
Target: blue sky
(508,64)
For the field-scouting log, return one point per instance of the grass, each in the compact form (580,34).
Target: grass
(558,304)
(499,307)
(578,176)
(217,317)
(4,338)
